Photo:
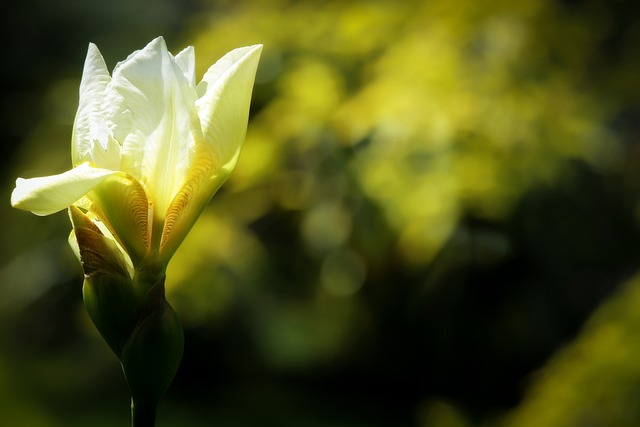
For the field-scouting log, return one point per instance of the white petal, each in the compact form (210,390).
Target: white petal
(151,86)
(50,194)
(224,111)
(225,97)
(90,130)
(230,60)
(187,61)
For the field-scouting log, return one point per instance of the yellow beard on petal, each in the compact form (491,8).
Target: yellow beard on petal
(122,204)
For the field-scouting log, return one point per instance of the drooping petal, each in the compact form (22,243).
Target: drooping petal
(224,100)
(92,140)
(151,85)
(50,194)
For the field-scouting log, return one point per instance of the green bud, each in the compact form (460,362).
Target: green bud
(151,355)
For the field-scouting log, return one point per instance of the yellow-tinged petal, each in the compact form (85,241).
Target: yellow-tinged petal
(223,107)
(73,242)
(224,99)
(186,207)
(122,205)
(50,194)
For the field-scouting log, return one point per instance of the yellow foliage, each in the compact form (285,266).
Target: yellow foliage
(594,380)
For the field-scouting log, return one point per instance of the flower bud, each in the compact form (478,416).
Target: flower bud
(152,353)
(107,290)
(130,311)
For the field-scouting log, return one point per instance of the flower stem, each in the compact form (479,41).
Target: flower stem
(143,414)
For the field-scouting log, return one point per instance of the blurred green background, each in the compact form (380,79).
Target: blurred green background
(434,221)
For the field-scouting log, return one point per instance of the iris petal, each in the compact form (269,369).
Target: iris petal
(224,112)
(185,208)
(50,194)
(90,131)
(187,61)
(224,100)
(122,205)
(157,151)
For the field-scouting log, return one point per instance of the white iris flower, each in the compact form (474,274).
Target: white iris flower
(149,146)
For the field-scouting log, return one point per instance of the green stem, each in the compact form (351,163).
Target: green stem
(143,414)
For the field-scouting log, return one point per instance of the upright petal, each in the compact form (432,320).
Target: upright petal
(151,85)
(50,194)
(224,111)
(92,140)
(224,100)
(187,61)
